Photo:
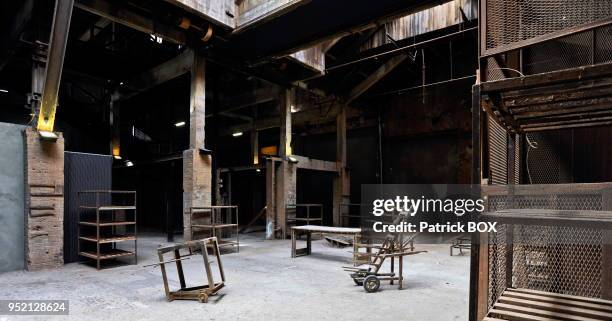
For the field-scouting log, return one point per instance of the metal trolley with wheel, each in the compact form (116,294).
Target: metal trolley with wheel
(393,247)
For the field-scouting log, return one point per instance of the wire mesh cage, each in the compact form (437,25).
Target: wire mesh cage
(567,259)
(512,22)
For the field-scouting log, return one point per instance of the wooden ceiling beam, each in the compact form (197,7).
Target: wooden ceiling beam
(160,74)
(375,77)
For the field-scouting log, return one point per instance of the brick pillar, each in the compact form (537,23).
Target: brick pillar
(197,185)
(44,198)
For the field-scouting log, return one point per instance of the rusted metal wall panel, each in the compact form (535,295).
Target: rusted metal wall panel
(220,11)
(438,17)
(250,11)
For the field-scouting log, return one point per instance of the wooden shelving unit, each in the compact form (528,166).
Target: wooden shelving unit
(217,220)
(107,218)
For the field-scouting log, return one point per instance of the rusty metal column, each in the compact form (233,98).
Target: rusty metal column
(55,62)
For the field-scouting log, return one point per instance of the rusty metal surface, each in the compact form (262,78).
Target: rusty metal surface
(515,22)
(537,258)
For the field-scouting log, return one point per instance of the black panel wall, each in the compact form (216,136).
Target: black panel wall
(81,172)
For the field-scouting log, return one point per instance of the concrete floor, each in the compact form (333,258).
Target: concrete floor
(263,283)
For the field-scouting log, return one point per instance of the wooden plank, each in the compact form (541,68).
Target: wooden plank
(549,78)
(510,315)
(315,164)
(567,302)
(327,229)
(541,313)
(564,296)
(560,308)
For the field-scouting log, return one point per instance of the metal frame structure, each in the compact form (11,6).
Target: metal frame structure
(292,217)
(104,204)
(552,238)
(533,77)
(202,292)
(216,222)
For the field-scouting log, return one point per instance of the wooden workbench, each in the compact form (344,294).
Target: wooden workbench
(309,229)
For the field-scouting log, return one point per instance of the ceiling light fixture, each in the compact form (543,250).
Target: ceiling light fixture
(46,135)
(129,163)
(237,134)
(117,156)
(3,91)
(180,124)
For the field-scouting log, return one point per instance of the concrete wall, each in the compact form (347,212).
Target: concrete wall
(11,198)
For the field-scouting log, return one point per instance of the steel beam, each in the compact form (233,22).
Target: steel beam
(55,62)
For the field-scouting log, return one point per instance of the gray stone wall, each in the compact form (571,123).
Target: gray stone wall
(11,197)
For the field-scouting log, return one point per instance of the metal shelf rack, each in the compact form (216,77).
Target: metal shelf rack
(103,224)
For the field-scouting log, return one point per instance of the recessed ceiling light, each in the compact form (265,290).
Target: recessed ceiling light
(258,170)
(237,134)
(180,124)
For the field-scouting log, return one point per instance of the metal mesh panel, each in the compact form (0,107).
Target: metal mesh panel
(494,71)
(541,264)
(510,22)
(603,44)
(498,153)
(543,158)
(559,259)
(517,160)
(563,53)
(566,202)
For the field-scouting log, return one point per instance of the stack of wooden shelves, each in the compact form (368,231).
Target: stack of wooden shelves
(106,218)
(216,221)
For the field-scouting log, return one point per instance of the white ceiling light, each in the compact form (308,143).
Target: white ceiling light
(3,91)
(237,134)
(180,124)
(45,135)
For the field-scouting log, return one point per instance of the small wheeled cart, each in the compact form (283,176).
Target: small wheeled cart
(200,293)
(393,248)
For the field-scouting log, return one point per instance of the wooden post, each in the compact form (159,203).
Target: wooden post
(197,173)
(341,188)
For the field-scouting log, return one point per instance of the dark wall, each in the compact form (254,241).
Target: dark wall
(82,172)
(159,193)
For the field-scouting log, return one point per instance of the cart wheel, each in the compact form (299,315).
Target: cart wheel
(357,282)
(203,298)
(371,283)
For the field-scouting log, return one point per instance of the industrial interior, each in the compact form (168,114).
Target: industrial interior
(166,159)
